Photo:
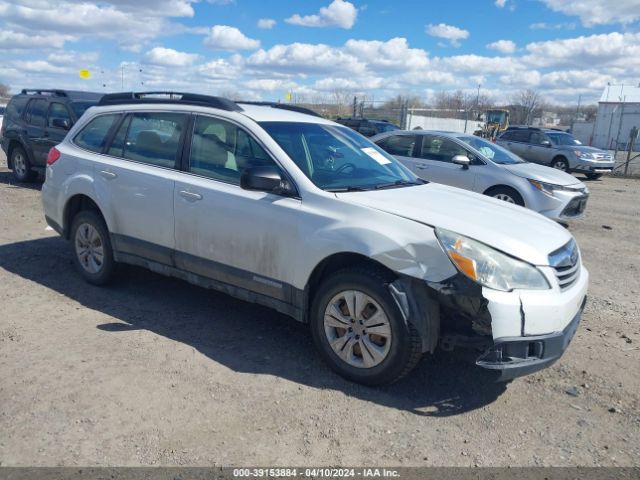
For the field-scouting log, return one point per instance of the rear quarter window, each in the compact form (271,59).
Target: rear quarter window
(16,107)
(94,134)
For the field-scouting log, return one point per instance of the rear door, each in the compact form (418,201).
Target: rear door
(35,120)
(240,237)
(136,178)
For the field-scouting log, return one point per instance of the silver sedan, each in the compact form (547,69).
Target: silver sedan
(476,164)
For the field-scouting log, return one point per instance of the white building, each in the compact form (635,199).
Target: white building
(618,113)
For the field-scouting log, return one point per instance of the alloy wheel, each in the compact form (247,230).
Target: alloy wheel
(89,248)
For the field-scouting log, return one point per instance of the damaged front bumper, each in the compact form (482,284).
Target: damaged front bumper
(518,356)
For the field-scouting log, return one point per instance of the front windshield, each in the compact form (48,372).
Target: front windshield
(563,139)
(336,158)
(496,117)
(491,151)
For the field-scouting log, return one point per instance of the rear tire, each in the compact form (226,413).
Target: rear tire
(506,194)
(593,176)
(560,164)
(347,304)
(21,165)
(91,248)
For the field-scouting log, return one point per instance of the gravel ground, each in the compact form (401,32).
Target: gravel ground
(154,371)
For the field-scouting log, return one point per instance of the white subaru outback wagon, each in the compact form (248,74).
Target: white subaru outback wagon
(279,207)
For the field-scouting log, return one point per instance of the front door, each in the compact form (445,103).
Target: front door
(239,237)
(435,157)
(54,131)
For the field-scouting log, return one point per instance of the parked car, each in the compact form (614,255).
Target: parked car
(366,126)
(476,164)
(35,121)
(306,216)
(557,149)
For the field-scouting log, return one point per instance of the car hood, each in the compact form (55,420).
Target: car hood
(584,148)
(515,230)
(542,174)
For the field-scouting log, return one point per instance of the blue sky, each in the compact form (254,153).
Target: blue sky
(321,48)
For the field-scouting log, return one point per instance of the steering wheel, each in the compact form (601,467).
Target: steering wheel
(344,167)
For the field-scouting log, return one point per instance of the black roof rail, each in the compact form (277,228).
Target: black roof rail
(40,91)
(283,106)
(180,98)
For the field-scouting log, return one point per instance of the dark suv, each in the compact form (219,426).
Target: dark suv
(368,127)
(35,121)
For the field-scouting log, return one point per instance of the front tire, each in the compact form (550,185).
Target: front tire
(506,194)
(359,330)
(21,165)
(91,248)
(560,164)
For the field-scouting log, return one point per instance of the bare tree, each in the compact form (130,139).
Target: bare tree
(4,90)
(524,104)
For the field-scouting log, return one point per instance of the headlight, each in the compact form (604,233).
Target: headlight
(487,266)
(585,155)
(549,188)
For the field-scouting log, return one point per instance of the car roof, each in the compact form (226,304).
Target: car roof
(258,113)
(73,95)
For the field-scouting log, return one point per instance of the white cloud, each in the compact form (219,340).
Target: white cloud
(448,32)
(339,13)
(269,84)
(224,37)
(10,40)
(266,23)
(553,26)
(129,23)
(392,54)
(588,52)
(598,12)
(169,57)
(305,58)
(503,46)
(500,3)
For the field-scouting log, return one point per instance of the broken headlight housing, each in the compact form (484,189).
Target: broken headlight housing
(489,267)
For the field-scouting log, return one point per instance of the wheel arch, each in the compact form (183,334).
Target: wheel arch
(507,187)
(339,261)
(13,143)
(74,205)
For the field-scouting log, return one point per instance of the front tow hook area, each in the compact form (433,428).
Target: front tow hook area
(518,356)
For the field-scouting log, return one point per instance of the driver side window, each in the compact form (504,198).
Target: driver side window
(440,149)
(220,150)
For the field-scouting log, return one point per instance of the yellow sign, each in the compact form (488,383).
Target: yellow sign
(85,74)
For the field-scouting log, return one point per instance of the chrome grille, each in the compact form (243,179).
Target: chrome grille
(566,264)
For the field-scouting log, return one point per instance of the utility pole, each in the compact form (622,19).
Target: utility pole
(122,75)
(355,106)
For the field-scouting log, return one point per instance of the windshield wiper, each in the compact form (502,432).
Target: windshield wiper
(348,188)
(400,183)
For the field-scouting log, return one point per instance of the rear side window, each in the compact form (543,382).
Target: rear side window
(37,112)
(151,137)
(16,106)
(401,145)
(516,135)
(94,135)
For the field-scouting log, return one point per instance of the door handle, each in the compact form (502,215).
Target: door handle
(421,166)
(108,175)
(190,196)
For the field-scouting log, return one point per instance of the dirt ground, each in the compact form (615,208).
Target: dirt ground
(154,371)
